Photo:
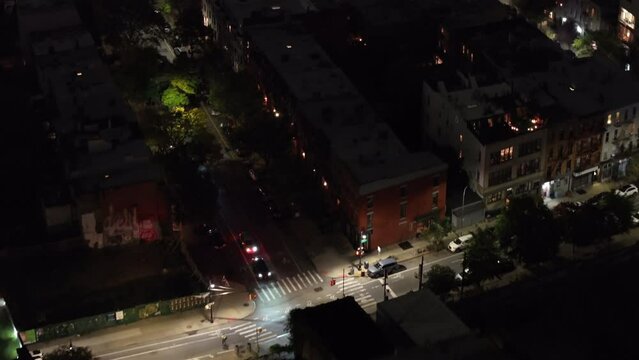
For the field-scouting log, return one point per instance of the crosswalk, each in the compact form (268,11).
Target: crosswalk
(278,289)
(250,333)
(351,287)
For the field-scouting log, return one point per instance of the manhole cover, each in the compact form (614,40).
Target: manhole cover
(405,245)
(318,289)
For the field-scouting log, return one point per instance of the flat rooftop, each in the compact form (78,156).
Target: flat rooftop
(331,103)
(243,12)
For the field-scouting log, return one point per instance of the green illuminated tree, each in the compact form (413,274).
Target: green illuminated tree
(174,99)
(187,85)
(73,353)
(440,279)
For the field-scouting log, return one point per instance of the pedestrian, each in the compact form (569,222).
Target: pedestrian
(248,345)
(224,340)
(237,350)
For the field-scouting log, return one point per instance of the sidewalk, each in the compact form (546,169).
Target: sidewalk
(596,188)
(332,254)
(234,307)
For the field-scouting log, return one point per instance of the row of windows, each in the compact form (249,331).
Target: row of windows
(528,167)
(501,156)
(403,210)
(403,193)
(530,147)
(500,176)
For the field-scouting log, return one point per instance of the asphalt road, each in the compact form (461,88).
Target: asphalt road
(272,312)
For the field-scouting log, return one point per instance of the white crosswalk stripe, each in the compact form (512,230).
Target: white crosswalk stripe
(301,280)
(275,289)
(297,282)
(281,288)
(315,274)
(285,285)
(307,279)
(265,295)
(292,285)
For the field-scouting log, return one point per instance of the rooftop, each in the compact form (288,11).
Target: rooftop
(243,12)
(584,87)
(343,329)
(330,102)
(423,317)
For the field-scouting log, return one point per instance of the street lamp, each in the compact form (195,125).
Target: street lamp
(463,205)
(216,291)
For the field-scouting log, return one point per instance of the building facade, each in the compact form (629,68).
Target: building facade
(380,191)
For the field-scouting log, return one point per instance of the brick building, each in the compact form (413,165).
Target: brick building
(377,187)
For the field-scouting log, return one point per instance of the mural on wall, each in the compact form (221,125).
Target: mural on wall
(121,227)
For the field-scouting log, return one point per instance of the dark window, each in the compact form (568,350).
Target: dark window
(436,180)
(402,210)
(402,192)
(369,220)
(369,202)
(499,176)
(435,199)
(528,167)
(530,147)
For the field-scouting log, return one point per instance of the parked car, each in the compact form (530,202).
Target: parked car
(504,266)
(388,266)
(248,243)
(460,243)
(627,191)
(260,269)
(634,218)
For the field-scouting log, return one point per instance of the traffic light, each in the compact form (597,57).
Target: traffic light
(333,282)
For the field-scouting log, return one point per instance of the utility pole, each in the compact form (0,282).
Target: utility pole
(421,273)
(385,284)
(343,282)
(463,205)
(257,340)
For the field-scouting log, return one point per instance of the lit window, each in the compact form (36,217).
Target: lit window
(438,60)
(627,18)
(461,138)
(609,121)
(289,46)
(78,73)
(627,67)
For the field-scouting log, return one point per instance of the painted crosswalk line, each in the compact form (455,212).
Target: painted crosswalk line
(278,289)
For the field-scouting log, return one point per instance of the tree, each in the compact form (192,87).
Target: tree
(527,230)
(583,226)
(618,211)
(481,257)
(440,279)
(581,46)
(174,99)
(70,353)
(534,9)
(187,85)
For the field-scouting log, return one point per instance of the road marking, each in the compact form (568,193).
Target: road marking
(282,335)
(212,332)
(299,276)
(159,349)
(313,275)
(277,291)
(265,295)
(293,286)
(268,338)
(263,334)
(457,261)
(224,351)
(246,331)
(309,281)
(285,284)
(425,264)
(366,303)
(298,284)
(239,326)
(392,293)
(281,288)
(270,292)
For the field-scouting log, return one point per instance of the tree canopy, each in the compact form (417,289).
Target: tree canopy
(440,279)
(481,257)
(66,353)
(174,99)
(186,84)
(528,230)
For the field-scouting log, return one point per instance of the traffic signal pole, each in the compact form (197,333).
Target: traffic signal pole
(343,282)
(421,273)
(385,284)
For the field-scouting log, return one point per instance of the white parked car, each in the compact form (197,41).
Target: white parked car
(634,218)
(627,190)
(459,243)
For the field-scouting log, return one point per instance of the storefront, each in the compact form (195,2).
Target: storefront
(583,179)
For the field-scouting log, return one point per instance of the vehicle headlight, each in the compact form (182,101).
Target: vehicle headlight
(254,248)
(269,273)
(259,275)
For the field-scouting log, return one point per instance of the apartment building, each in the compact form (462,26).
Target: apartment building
(627,21)
(377,187)
(108,172)
(496,135)
(229,19)
(587,15)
